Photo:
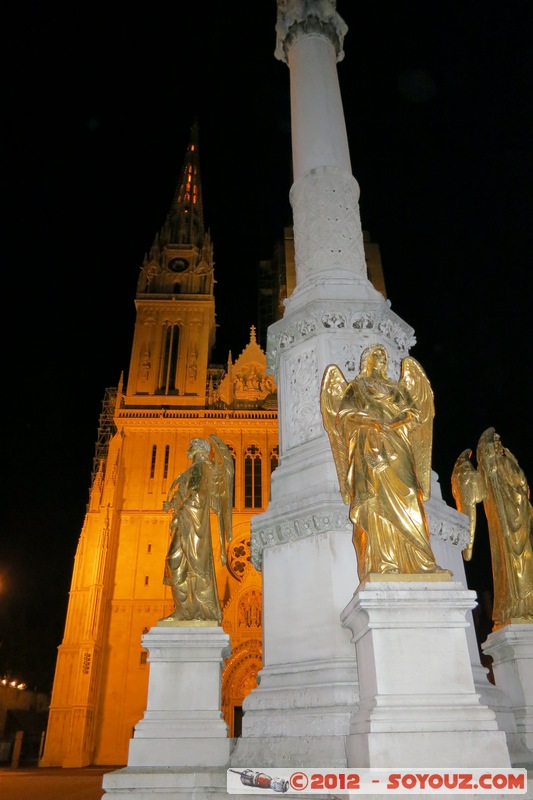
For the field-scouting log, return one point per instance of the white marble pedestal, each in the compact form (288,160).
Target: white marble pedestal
(418,705)
(511,649)
(181,746)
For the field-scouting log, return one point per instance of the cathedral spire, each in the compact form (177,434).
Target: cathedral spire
(185,221)
(174,331)
(180,260)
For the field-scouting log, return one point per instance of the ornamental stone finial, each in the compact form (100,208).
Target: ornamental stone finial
(301,17)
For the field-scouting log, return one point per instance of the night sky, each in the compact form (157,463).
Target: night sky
(97,108)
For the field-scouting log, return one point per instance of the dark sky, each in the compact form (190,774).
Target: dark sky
(97,107)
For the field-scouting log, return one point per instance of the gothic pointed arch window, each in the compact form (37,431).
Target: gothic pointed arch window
(167,456)
(234,457)
(253,495)
(169,361)
(274,458)
(152,460)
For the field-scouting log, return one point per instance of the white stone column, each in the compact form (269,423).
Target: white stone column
(300,712)
(311,42)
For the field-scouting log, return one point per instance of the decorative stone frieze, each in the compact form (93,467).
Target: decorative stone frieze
(293,529)
(444,523)
(382,323)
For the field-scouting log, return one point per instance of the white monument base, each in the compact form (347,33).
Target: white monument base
(511,649)
(418,703)
(135,783)
(449,536)
(299,715)
(181,745)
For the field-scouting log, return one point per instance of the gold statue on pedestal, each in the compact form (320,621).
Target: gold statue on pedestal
(380,432)
(510,520)
(189,567)
(501,484)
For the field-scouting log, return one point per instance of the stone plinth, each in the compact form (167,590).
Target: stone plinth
(180,748)
(511,649)
(141,783)
(183,724)
(418,703)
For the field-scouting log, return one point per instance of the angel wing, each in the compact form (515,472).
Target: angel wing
(221,490)
(331,392)
(467,490)
(414,379)
(467,484)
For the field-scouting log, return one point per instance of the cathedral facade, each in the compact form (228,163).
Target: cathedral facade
(172,394)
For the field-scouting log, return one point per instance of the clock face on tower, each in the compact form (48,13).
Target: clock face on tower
(178,264)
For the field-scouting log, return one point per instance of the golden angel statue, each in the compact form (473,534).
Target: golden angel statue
(510,522)
(467,491)
(380,431)
(189,567)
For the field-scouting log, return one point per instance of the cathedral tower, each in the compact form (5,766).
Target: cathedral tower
(175,324)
